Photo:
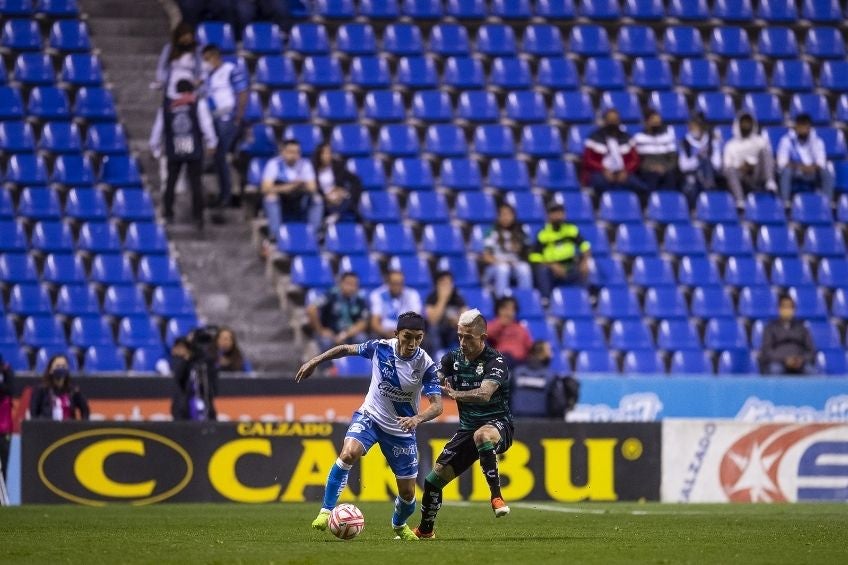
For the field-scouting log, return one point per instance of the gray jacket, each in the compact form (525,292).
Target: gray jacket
(787,340)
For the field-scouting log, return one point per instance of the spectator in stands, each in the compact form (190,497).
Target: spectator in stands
(341,315)
(7,391)
(507,334)
(748,162)
(277,11)
(657,149)
(787,347)
(194,364)
(442,309)
(610,160)
(184,125)
(227,95)
(179,59)
(57,399)
(560,256)
(339,189)
(700,158)
(230,356)
(802,160)
(289,189)
(390,301)
(505,254)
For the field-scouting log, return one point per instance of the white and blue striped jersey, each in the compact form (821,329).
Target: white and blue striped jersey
(397,383)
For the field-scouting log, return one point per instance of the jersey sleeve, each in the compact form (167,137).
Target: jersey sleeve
(496,370)
(368,348)
(430,381)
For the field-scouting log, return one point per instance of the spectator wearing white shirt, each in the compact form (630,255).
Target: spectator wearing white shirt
(289,189)
(657,149)
(227,94)
(802,160)
(389,301)
(700,158)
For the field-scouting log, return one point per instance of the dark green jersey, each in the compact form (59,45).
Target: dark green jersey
(463,374)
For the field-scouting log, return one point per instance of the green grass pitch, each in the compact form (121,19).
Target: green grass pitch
(468,533)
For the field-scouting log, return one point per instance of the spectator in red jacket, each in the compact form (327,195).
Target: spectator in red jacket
(610,160)
(507,334)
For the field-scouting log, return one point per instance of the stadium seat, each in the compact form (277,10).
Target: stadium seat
(43,331)
(445,140)
(398,140)
(422,9)
(716,208)
(698,74)
(825,43)
(542,40)
(275,72)
(832,362)
(815,105)
(629,335)
(7,209)
(529,304)
(62,269)
(692,362)
(541,140)
(736,362)
(345,239)
(442,239)
(822,11)
(77,300)
(677,335)
(431,106)
(526,107)
(778,11)
(672,106)
(379,9)
(106,139)
(12,236)
(493,140)
(120,171)
(776,240)
(728,239)
(582,335)
(158,270)
(104,359)
(16,137)
(355,39)
(14,355)
(667,207)
(556,175)
(809,303)
(460,174)
(604,271)
(594,361)
(90,331)
(604,73)
(733,10)
(262,38)
(557,73)
(180,326)
(723,334)
(111,270)
(384,106)
(571,302)
(26,170)
(296,239)
(365,267)
(825,335)
(777,42)
(832,272)
(510,73)
(8,333)
(765,107)
(684,239)
(464,271)
(792,75)
(170,301)
(665,302)
(415,269)
(477,106)
(683,42)
(589,40)
(289,106)
(651,73)
(139,331)
(11,103)
(717,107)
(427,207)
(618,303)
(811,208)
(600,10)
(146,359)
(219,34)
(20,34)
(689,10)
(745,75)
(309,39)
(379,207)
(744,271)
(834,141)
(81,69)
(642,362)
(72,170)
(573,107)
(578,207)
(29,299)
(17,268)
(644,10)
(475,208)
(496,40)
(508,175)
(325,72)
(824,241)
(39,204)
(463,73)
(412,174)
(336,106)
(308,135)
(635,239)
(839,304)
(764,208)
(99,237)
(652,271)
(730,42)
(52,237)
(620,206)
(402,40)
(711,302)
(627,104)
(351,140)
(529,207)
(145,238)
(637,41)
(757,303)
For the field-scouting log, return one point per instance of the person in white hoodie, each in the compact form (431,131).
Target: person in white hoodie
(748,161)
(802,160)
(700,158)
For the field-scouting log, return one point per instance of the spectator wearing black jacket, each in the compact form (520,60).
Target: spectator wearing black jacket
(338,188)
(195,370)
(7,389)
(787,347)
(57,398)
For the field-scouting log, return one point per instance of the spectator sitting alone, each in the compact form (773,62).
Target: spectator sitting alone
(338,188)
(443,307)
(748,162)
(289,189)
(507,334)
(560,255)
(802,160)
(787,347)
(341,315)
(57,399)
(390,301)
(505,254)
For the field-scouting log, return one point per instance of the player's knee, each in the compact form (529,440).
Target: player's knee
(407,492)
(349,455)
(484,434)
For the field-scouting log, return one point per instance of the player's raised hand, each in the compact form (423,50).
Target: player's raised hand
(305,371)
(408,423)
(447,389)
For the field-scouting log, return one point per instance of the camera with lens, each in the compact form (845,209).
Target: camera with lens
(202,343)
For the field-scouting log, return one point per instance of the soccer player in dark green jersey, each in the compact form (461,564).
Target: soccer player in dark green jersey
(476,376)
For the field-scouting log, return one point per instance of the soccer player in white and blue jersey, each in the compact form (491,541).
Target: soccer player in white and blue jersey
(401,372)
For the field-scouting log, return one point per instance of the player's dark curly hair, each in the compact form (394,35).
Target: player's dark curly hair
(410,316)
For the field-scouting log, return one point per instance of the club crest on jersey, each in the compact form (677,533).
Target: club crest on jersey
(480,369)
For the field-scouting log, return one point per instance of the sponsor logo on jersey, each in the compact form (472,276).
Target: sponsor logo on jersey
(387,390)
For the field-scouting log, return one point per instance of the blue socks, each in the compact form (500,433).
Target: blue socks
(336,482)
(403,510)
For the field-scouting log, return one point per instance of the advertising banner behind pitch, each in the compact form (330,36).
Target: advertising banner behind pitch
(143,463)
(712,461)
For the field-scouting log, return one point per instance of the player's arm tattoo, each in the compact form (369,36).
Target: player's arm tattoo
(479,395)
(434,410)
(336,352)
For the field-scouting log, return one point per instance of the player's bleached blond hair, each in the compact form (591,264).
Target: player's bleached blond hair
(473,319)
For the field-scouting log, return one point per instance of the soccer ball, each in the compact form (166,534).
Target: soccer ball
(346,521)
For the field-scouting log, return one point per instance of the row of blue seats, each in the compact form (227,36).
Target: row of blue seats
(91,104)
(23,34)
(96,360)
(36,69)
(120,300)
(81,204)
(373,72)
(109,269)
(26,169)
(772,11)
(45,8)
(546,40)
(63,137)
(53,236)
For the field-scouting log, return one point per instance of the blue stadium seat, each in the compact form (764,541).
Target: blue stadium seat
(29,300)
(716,208)
(637,41)
(7,209)
(145,238)
(778,11)
(809,303)
(813,104)
(104,359)
(651,73)
(112,270)
(120,170)
(139,331)
(43,331)
(352,367)
(777,240)
(603,270)
(431,106)
(594,361)
(69,36)
(354,39)
(711,302)
(308,135)
(323,72)
(219,34)
(449,40)
(792,75)
(573,107)
(578,207)
(384,106)
(757,303)
(494,140)
(61,137)
(618,303)
(39,204)
(398,140)
(600,10)
(728,239)
(81,69)
(557,73)
(89,331)
(262,38)
(11,103)
(735,363)
(689,10)
(158,270)
(684,239)
(832,272)
(16,8)
(17,268)
(556,175)
(20,34)
(526,106)
(16,137)
(402,39)
(259,141)
(582,335)
(642,362)
(415,269)
(72,170)
(824,241)
(834,141)
(350,140)
(44,354)
(379,9)
(445,140)
(370,172)
(730,41)
(667,207)
(627,103)
(508,175)
(540,141)
(427,207)
(811,208)
(589,40)
(52,237)
(417,73)
(145,359)
(745,75)
(12,236)
(571,302)
(62,269)
(698,74)
(466,9)
(683,42)
(170,301)
(822,11)
(724,334)
(106,139)
(825,335)
(296,239)
(309,39)
(825,43)
(58,9)
(764,208)
(510,73)
(365,267)
(777,43)
(463,73)
(832,362)
(744,271)
(733,10)
(8,334)
(529,207)
(77,300)
(603,73)
(442,239)
(180,326)
(678,335)
(716,106)
(412,174)
(274,72)
(99,237)
(289,106)
(672,106)
(620,207)
(635,239)
(511,10)
(765,107)
(460,175)
(839,304)
(422,9)
(644,10)
(463,269)
(529,304)
(629,335)
(665,302)
(336,106)
(652,271)
(555,9)
(131,205)
(543,40)
(496,40)
(693,362)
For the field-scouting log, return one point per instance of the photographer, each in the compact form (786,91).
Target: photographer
(7,381)
(194,366)
(56,399)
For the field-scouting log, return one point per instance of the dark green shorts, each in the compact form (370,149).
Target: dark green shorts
(461,451)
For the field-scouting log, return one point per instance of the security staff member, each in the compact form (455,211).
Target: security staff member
(560,255)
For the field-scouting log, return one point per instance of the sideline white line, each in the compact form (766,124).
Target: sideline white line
(579,510)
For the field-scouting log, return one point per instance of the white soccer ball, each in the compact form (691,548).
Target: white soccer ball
(346,521)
